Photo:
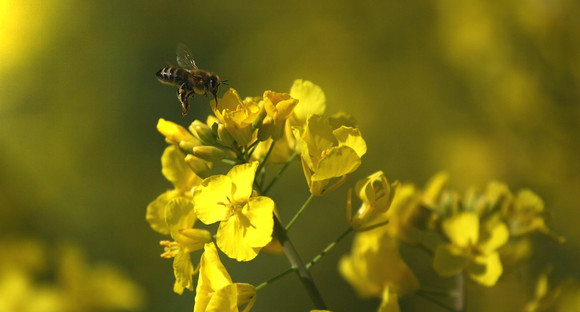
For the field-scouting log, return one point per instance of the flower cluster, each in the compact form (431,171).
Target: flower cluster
(471,235)
(247,134)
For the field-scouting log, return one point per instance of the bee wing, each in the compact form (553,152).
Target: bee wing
(184,57)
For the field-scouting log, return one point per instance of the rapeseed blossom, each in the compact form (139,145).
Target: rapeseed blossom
(215,290)
(328,153)
(246,221)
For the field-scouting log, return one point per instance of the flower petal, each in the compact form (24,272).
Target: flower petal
(352,138)
(210,199)
(389,301)
(462,229)
(212,277)
(156,212)
(176,170)
(230,240)
(312,100)
(183,270)
(193,239)
(242,177)
(259,213)
(179,214)
(486,269)
(337,162)
(224,299)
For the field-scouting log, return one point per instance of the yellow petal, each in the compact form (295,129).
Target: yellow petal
(337,162)
(318,135)
(258,212)
(375,263)
(179,214)
(175,133)
(192,239)
(210,199)
(462,229)
(312,100)
(449,260)
(246,295)
(352,138)
(486,269)
(498,235)
(176,170)
(224,299)
(243,234)
(242,176)
(156,212)
(212,277)
(302,148)
(389,302)
(183,270)
(434,188)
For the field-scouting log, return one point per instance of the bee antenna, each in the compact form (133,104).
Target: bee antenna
(226,82)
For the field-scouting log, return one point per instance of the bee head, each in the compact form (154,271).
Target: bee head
(214,83)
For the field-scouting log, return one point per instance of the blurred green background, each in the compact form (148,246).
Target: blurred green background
(484,89)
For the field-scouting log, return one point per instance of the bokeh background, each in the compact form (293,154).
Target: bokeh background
(483,89)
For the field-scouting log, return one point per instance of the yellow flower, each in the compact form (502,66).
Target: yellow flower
(246,221)
(237,115)
(472,248)
(376,194)
(312,101)
(526,214)
(215,290)
(180,219)
(176,170)
(278,107)
(328,153)
(375,269)
(175,134)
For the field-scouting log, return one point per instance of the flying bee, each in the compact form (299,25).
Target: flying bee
(189,78)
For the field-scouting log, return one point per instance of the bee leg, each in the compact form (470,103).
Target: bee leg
(183,94)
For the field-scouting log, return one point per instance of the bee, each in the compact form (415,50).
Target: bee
(189,78)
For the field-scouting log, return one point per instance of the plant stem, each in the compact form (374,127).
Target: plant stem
(440,293)
(437,302)
(297,215)
(460,302)
(264,284)
(295,261)
(266,157)
(328,248)
(279,174)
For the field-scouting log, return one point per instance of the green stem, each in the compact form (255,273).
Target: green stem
(328,248)
(250,149)
(266,157)
(440,293)
(295,261)
(299,212)
(280,275)
(460,300)
(279,174)
(437,302)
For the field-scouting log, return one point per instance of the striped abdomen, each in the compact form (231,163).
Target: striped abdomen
(172,75)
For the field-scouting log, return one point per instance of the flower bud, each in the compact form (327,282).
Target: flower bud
(246,294)
(174,133)
(189,145)
(266,129)
(209,153)
(376,194)
(199,166)
(224,136)
(203,132)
